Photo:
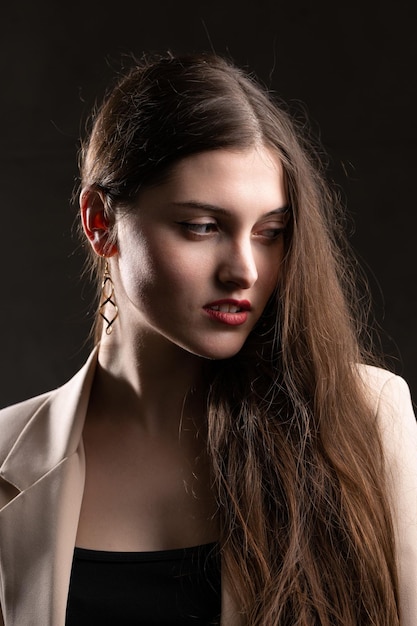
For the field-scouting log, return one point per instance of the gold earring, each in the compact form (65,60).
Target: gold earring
(107,291)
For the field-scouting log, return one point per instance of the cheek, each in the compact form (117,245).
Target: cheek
(269,272)
(156,272)
(177,274)
(136,270)
(136,266)
(176,261)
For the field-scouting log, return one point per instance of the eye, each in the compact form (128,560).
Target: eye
(272,230)
(269,234)
(200,229)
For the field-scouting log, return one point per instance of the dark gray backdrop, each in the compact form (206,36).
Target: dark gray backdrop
(352,67)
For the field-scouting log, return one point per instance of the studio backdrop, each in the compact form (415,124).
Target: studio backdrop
(349,70)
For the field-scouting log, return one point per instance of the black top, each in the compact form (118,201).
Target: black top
(175,587)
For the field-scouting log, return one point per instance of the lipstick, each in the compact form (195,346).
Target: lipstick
(228,311)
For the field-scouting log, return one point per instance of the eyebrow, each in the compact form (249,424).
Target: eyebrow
(204,206)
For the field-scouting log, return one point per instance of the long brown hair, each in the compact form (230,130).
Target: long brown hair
(306,530)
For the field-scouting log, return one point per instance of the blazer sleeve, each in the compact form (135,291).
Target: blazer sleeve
(399,439)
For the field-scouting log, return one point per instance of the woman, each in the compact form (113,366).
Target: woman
(226,453)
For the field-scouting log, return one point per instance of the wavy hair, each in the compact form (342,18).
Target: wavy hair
(297,464)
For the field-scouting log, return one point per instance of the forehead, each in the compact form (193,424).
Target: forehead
(224,177)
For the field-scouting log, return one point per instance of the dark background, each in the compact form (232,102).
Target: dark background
(351,67)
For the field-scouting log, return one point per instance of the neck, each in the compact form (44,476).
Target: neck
(152,379)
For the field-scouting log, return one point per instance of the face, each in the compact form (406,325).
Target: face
(200,256)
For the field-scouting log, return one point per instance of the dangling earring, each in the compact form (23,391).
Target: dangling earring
(107,290)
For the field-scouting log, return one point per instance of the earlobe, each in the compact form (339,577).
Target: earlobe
(95,222)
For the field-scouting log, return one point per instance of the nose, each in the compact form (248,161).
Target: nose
(238,266)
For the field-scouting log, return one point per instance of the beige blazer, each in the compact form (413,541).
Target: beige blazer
(42,470)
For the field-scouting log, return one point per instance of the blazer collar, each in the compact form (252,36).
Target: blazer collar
(53,432)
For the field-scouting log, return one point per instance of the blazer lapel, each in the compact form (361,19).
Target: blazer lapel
(38,527)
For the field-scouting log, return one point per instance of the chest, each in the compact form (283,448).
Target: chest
(145,493)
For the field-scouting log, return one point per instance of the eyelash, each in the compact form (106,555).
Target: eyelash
(200,230)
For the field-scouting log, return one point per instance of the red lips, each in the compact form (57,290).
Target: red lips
(243,305)
(228,311)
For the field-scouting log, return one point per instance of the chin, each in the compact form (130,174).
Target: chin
(217,353)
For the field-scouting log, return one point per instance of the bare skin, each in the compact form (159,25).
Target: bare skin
(147,479)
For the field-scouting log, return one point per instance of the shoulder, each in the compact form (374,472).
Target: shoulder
(387,393)
(26,407)
(391,403)
(390,399)
(376,379)
(49,416)
(14,419)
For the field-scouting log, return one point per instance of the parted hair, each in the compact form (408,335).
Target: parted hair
(297,464)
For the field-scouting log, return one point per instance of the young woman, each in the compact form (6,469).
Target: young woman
(228,453)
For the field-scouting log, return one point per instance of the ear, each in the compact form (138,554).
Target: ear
(95,222)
